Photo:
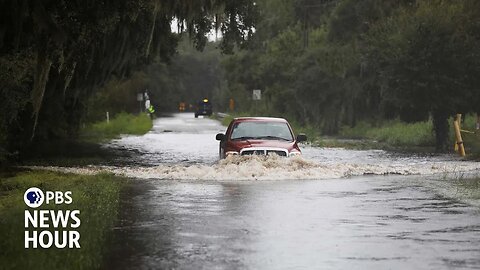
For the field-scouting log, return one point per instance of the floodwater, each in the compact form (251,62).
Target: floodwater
(331,209)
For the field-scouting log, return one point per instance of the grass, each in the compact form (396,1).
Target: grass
(390,135)
(97,198)
(228,118)
(122,123)
(466,186)
(472,144)
(86,150)
(313,134)
(403,135)
(471,141)
(394,133)
(469,188)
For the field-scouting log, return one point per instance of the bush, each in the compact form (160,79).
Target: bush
(122,123)
(395,133)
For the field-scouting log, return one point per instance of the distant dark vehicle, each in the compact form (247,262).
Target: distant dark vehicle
(204,107)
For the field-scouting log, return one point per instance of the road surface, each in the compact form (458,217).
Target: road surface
(334,210)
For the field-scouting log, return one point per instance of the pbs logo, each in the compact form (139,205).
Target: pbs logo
(33,197)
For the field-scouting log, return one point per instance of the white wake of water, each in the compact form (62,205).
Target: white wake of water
(276,168)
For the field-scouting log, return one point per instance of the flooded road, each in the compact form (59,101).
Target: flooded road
(334,209)
(177,139)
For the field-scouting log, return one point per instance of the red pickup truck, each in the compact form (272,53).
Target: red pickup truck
(259,136)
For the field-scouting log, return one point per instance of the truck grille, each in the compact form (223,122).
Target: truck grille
(280,153)
(264,152)
(253,152)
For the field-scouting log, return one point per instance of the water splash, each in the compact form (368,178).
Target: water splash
(276,168)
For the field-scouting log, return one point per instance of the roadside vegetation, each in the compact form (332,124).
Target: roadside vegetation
(468,188)
(379,70)
(394,133)
(387,135)
(85,149)
(49,72)
(122,123)
(97,198)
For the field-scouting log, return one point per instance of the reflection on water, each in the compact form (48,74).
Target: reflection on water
(405,219)
(382,222)
(374,222)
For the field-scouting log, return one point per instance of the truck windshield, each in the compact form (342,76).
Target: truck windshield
(261,130)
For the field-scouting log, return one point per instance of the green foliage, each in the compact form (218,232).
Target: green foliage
(393,133)
(312,132)
(122,123)
(190,77)
(117,96)
(425,56)
(468,188)
(97,198)
(338,63)
(226,120)
(472,144)
(54,55)
(471,140)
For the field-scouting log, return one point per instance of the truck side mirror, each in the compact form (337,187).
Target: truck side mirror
(301,137)
(220,137)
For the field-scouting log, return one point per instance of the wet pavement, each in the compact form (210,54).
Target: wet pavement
(172,140)
(339,222)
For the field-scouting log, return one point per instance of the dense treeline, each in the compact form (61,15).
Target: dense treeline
(331,63)
(54,54)
(189,76)
(324,63)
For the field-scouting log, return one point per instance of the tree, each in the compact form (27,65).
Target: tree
(423,57)
(64,51)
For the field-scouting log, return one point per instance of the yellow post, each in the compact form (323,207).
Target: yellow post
(231,105)
(458,136)
(458,119)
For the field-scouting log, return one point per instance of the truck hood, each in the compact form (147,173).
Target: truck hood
(263,144)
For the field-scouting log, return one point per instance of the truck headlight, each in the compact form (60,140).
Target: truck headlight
(294,153)
(231,153)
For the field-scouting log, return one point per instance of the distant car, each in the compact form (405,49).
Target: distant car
(204,107)
(259,136)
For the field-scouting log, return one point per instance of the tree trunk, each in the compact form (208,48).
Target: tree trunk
(152,30)
(42,70)
(440,126)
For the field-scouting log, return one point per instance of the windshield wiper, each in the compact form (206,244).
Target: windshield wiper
(244,138)
(272,138)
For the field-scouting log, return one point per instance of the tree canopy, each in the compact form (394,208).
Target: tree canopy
(325,63)
(333,63)
(55,54)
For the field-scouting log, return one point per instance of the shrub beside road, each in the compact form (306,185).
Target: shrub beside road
(122,123)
